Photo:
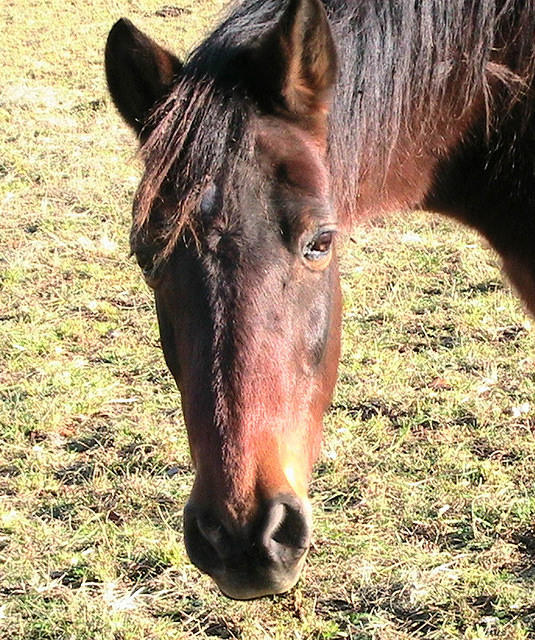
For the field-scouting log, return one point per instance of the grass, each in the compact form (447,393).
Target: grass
(424,496)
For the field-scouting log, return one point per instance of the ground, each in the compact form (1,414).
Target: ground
(424,496)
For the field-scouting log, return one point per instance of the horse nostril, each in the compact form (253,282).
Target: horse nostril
(293,529)
(205,539)
(286,532)
(213,532)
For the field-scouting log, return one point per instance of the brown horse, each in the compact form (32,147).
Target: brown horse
(294,119)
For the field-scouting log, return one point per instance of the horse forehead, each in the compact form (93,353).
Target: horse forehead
(301,157)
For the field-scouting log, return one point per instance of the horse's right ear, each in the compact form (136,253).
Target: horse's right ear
(139,72)
(293,67)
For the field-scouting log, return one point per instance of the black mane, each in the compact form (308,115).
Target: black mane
(407,67)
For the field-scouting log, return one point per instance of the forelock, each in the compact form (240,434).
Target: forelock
(200,132)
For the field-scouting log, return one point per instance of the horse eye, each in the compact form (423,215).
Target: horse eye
(319,246)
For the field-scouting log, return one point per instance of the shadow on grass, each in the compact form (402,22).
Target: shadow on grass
(192,615)
(421,621)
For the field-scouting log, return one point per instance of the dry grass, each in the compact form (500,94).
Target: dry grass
(424,498)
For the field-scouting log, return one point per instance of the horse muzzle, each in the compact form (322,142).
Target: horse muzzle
(257,559)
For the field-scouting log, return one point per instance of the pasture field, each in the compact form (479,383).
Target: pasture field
(424,497)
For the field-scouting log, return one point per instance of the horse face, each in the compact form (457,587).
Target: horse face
(249,318)
(248,304)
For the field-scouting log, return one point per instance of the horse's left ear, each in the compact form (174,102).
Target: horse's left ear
(139,72)
(293,68)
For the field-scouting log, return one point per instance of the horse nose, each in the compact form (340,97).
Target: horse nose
(264,557)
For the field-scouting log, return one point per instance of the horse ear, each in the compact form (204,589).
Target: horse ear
(294,66)
(139,72)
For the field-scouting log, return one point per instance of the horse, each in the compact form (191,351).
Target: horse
(291,122)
